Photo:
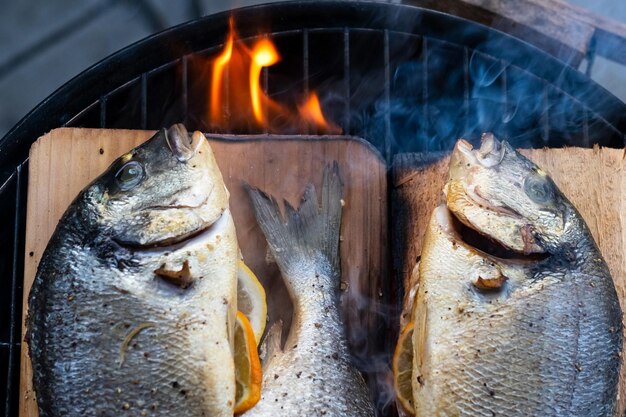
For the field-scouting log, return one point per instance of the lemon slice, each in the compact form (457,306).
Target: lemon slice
(251,300)
(248,373)
(403,369)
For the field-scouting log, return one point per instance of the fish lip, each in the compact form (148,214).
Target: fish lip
(179,206)
(172,242)
(444,218)
(473,195)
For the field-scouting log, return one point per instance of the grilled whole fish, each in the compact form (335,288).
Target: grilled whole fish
(536,334)
(313,375)
(133,306)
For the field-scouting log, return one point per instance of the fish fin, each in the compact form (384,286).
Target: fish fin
(305,231)
(270,346)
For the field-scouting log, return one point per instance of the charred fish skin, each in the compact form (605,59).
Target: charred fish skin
(313,375)
(513,337)
(106,333)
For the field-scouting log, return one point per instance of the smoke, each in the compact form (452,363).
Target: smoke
(368,323)
(450,92)
(407,93)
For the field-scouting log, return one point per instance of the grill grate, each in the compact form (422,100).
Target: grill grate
(386,115)
(403,78)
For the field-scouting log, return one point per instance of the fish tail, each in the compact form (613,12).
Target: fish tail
(306,231)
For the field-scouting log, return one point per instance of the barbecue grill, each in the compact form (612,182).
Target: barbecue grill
(403,78)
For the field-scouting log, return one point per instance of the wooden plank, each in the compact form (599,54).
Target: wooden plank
(65,160)
(594,180)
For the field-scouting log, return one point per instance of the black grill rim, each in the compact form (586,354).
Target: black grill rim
(94,85)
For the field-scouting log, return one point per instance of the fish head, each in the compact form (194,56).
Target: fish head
(499,193)
(162,192)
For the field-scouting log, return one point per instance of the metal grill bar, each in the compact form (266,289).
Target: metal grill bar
(305,68)
(103,112)
(184,75)
(305,61)
(505,100)
(504,97)
(591,56)
(466,92)
(144,101)
(424,146)
(545,116)
(346,77)
(387,94)
(16,293)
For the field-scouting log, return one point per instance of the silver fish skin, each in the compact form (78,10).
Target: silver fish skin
(313,375)
(537,334)
(132,308)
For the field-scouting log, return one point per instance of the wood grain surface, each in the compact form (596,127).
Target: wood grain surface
(594,180)
(66,160)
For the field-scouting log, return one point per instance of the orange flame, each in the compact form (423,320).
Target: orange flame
(217,76)
(263,55)
(238,101)
(311,111)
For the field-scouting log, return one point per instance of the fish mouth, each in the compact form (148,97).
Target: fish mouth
(470,196)
(180,206)
(181,239)
(463,193)
(478,242)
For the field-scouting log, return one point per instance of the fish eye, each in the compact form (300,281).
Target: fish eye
(538,188)
(129,175)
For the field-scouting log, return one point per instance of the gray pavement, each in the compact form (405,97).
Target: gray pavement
(37,56)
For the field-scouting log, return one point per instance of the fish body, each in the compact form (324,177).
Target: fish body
(133,305)
(536,333)
(312,375)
